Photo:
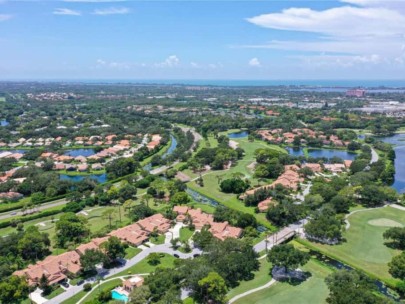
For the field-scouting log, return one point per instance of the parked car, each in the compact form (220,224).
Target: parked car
(176,255)
(80,282)
(65,284)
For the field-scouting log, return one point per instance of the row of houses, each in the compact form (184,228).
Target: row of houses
(220,230)
(58,268)
(278,136)
(94,140)
(291,179)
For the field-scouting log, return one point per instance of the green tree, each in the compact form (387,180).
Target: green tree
(91,258)
(396,236)
(71,228)
(153,258)
(180,198)
(213,289)
(113,248)
(140,295)
(287,256)
(397,266)
(33,245)
(349,286)
(13,290)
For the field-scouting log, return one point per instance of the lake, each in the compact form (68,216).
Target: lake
(323,153)
(4,123)
(398,140)
(101,178)
(238,134)
(80,152)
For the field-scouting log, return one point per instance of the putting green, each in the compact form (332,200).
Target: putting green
(364,243)
(313,290)
(384,222)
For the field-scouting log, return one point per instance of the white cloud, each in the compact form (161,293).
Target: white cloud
(100,63)
(111,11)
(4,17)
(364,32)
(341,21)
(171,61)
(254,62)
(66,11)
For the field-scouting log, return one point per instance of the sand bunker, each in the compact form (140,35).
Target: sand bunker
(384,222)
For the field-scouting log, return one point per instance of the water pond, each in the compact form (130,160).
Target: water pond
(323,153)
(100,178)
(242,134)
(80,152)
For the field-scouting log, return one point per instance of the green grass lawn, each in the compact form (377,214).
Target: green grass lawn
(143,266)
(160,239)
(96,290)
(313,290)
(204,207)
(211,186)
(95,218)
(75,298)
(130,252)
(262,276)
(364,247)
(185,234)
(55,293)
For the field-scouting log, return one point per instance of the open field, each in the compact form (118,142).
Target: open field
(364,247)
(95,218)
(211,187)
(313,290)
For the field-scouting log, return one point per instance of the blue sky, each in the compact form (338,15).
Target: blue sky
(101,39)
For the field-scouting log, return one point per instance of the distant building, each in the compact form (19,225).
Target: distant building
(356,93)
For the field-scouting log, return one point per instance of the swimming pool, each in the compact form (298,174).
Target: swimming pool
(118,296)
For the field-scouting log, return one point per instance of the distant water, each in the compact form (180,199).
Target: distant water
(80,152)
(238,134)
(101,178)
(320,153)
(236,83)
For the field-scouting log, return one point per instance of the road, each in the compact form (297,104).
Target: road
(374,156)
(42,207)
(163,248)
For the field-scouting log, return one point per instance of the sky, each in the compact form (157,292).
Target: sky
(206,39)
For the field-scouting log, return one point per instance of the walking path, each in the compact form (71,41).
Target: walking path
(360,210)
(162,248)
(234,299)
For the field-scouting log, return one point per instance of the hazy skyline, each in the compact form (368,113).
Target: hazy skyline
(79,39)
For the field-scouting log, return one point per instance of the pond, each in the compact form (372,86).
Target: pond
(80,152)
(242,134)
(4,123)
(323,153)
(100,178)
(200,198)
(398,140)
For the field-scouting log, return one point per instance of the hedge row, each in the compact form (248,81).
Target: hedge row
(27,218)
